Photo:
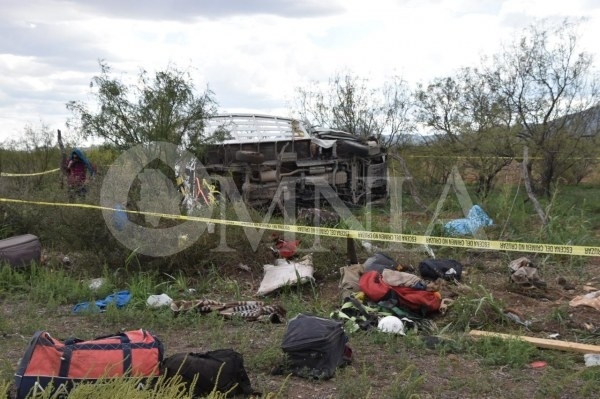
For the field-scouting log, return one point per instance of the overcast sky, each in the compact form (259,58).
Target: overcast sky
(251,53)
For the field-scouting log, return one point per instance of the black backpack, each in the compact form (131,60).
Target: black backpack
(221,370)
(448,269)
(380,261)
(314,347)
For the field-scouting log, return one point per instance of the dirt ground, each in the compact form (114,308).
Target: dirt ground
(449,375)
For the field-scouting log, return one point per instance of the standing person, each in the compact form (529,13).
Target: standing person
(77,169)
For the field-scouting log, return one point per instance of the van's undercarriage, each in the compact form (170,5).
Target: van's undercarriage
(265,158)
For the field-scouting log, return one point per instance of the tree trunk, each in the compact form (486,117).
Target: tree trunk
(530,194)
(547,175)
(484,185)
(411,183)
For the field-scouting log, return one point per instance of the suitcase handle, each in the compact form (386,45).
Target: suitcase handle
(123,336)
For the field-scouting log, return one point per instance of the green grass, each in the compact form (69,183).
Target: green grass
(41,297)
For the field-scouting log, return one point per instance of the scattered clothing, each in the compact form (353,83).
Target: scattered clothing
(119,299)
(591,299)
(524,274)
(402,279)
(516,264)
(349,276)
(420,301)
(358,313)
(248,310)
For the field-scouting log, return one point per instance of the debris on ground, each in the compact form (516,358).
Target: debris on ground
(284,273)
(591,299)
(247,310)
(525,274)
(475,220)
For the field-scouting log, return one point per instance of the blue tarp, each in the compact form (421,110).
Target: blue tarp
(476,219)
(120,299)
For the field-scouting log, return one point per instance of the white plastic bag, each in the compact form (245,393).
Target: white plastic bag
(284,273)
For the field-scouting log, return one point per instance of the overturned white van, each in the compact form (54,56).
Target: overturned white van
(266,158)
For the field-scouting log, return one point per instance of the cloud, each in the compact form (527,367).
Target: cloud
(190,10)
(52,42)
(252,54)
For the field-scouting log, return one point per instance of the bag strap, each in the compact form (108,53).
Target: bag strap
(127,363)
(65,360)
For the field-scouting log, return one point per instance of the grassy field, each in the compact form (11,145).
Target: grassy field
(443,362)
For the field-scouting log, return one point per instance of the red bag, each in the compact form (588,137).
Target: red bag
(420,301)
(136,354)
(415,300)
(372,284)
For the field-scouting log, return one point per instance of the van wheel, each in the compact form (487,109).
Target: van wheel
(249,156)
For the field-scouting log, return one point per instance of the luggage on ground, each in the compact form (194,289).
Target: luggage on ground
(21,250)
(221,370)
(314,347)
(421,301)
(447,269)
(380,261)
(52,364)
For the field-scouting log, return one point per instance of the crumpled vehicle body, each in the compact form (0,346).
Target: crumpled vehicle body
(266,158)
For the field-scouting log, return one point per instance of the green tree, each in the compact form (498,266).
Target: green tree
(349,103)
(549,84)
(470,123)
(162,107)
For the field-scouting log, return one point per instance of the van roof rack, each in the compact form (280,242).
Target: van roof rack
(255,128)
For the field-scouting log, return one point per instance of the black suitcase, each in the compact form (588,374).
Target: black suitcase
(314,347)
(20,251)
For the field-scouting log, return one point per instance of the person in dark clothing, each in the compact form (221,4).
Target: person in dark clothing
(77,169)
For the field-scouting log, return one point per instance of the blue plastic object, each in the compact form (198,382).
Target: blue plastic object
(120,299)
(120,217)
(476,219)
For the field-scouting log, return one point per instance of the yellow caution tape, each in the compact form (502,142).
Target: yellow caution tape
(2,174)
(576,250)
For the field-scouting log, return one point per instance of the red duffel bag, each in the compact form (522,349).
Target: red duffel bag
(415,300)
(51,364)
(372,284)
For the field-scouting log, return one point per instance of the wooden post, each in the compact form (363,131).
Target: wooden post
(541,342)
(63,160)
